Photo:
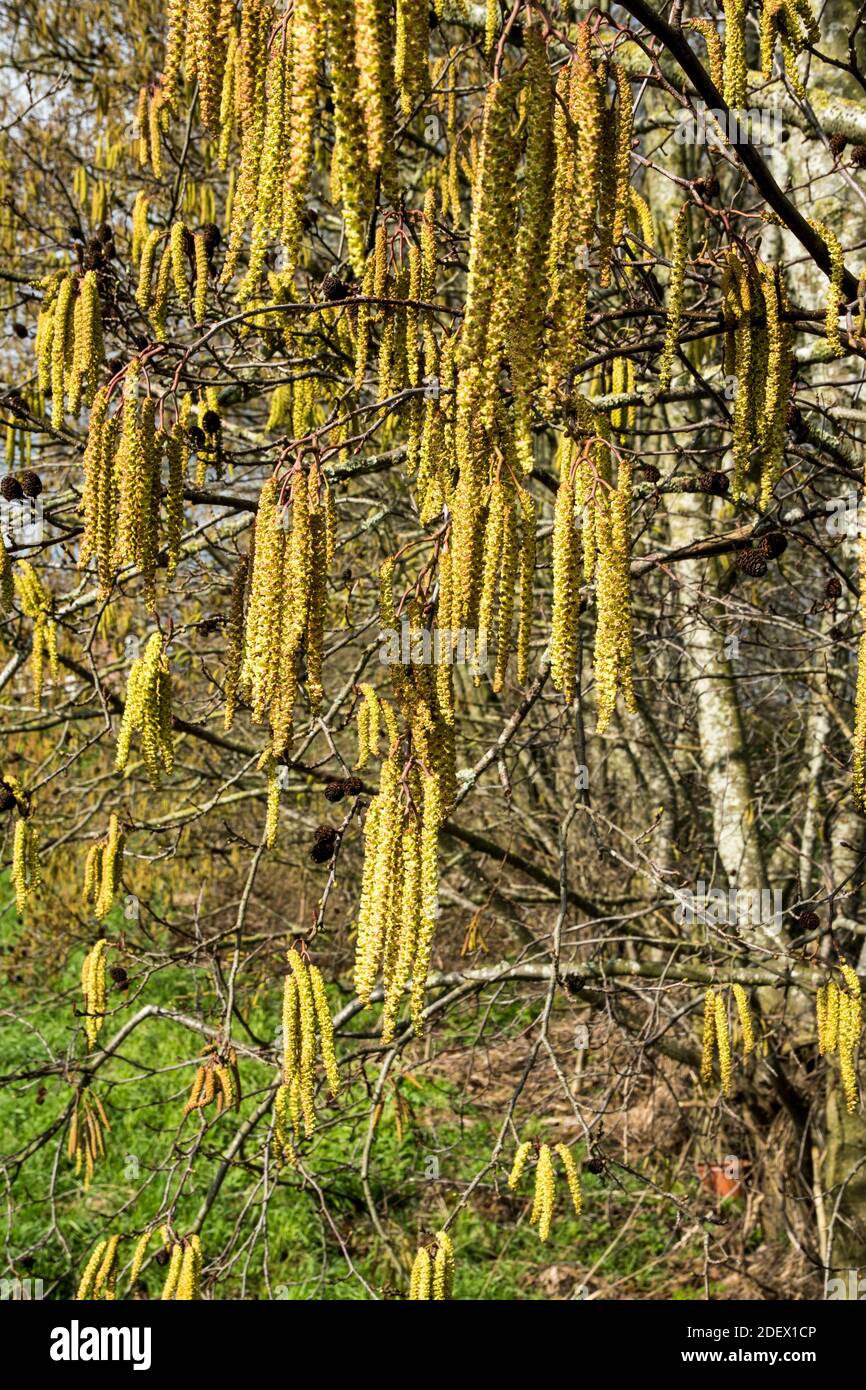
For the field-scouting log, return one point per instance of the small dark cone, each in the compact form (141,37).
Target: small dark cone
(834,587)
(7,797)
(594,1165)
(211,235)
(354,786)
(104,232)
(752,563)
(772,545)
(714,482)
(322,851)
(837,145)
(651,473)
(210,422)
(333,288)
(161,1257)
(11,489)
(94,256)
(20,330)
(808,921)
(31,483)
(335,791)
(119,976)
(858,156)
(197,438)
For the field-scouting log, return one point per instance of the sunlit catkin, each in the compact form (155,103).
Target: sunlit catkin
(147,711)
(421,1279)
(850,1023)
(545,1193)
(741,1000)
(93,988)
(723,1043)
(25,874)
(709,1037)
(676,289)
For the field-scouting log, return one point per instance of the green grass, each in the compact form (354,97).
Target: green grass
(422,1160)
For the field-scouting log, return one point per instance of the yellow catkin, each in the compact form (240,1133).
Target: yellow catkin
(835,293)
(325,1029)
(572,1177)
(421,1279)
(189,1276)
(138,1257)
(735,72)
(709,1037)
(85,1286)
(676,289)
(93,986)
(545,1193)
(172,1277)
(741,1000)
(443,1268)
(104,1281)
(850,1023)
(521,1158)
(723,1043)
(565,618)
(25,874)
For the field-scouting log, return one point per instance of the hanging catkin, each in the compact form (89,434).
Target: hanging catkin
(308,1039)
(147,711)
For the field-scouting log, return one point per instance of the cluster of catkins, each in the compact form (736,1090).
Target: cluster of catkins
(716,1037)
(216,1079)
(307,1034)
(38,604)
(433,1270)
(399,888)
(102,869)
(26,872)
(93,988)
(69,346)
(147,710)
(87,1129)
(99,1280)
(123,489)
(183,1277)
(184,252)
(279,622)
(839,1020)
(545,1181)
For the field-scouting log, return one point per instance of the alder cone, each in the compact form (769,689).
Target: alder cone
(834,587)
(11,489)
(772,545)
(714,482)
(333,288)
(31,483)
(752,563)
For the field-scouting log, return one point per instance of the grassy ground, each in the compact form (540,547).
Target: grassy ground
(429,1143)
